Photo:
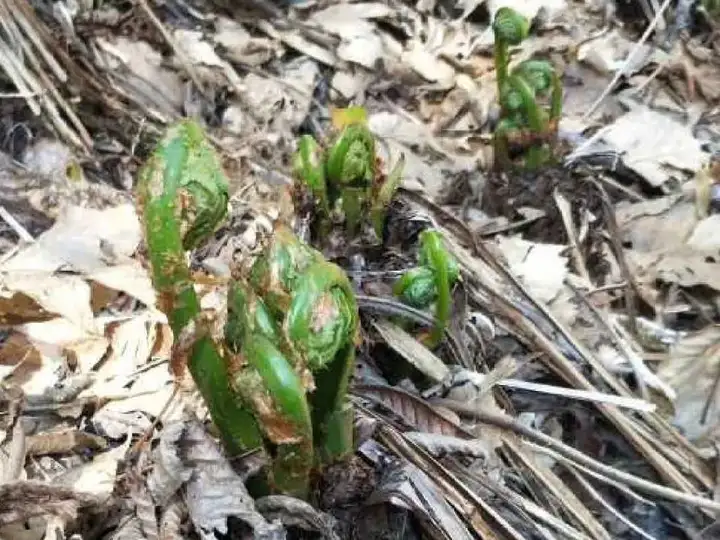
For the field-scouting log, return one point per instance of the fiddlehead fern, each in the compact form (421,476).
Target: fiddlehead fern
(345,177)
(431,281)
(182,197)
(519,92)
(351,171)
(267,381)
(319,318)
(510,28)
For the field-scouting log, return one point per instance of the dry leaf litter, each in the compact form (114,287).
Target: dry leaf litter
(578,398)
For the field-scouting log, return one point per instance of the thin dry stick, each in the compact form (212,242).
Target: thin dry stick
(554,485)
(8,58)
(565,209)
(30,32)
(444,478)
(14,71)
(40,71)
(629,60)
(657,454)
(640,484)
(609,507)
(568,371)
(21,231)
(182,57)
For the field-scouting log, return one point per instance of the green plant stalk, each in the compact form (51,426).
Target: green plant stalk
(384,196)
(281,406)
(309,168)
(510,28)
(323,324)
(182,197)
(270,386)
(556,101)
(439,261)
(350,168)
(536,154)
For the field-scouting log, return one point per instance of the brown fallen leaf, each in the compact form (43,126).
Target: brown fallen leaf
(23,500)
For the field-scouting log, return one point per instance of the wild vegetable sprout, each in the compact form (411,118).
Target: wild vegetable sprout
(276,373)
(524,121)
(430,283)
(343,178)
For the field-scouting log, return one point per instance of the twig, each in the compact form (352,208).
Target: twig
(640,484)
(182,57)
(21,231)
(610,508)
(629,60)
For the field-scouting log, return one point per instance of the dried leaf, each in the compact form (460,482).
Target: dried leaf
(411,409)
(409,348)
(171,519)
(441,445)
(407,483)
(22,500)
(653,144)
(693,370)
(213,491)
(540,267)
(293,512)
(63,442)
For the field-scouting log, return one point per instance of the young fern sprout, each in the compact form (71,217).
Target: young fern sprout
(318,314)
(344,177)
(277,377)
(182,197)
(523,118)
(430,282)
(510,29)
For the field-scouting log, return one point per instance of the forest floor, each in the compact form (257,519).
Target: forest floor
(577,395)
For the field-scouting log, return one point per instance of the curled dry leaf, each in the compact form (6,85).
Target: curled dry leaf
(23,500)
(407,483)
(294,512)
(213,492)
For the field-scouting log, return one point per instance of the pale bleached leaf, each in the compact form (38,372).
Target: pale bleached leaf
(692,369)
(441,445)
(82,239)
(409,348)
(654,145)
(541,267)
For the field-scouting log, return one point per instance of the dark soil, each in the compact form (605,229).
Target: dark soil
(506,194)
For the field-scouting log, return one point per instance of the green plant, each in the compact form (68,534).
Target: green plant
(344,178)
(524,121)
(430,282)
(276,374)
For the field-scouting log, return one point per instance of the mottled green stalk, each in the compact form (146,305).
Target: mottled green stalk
(268,384)
(315,305)
(431,281)
(323,325)
(351,171)
(383,198)
(309,168)
(182,197)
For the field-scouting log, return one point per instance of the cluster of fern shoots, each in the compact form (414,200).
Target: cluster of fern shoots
(274,369)
(276,366)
